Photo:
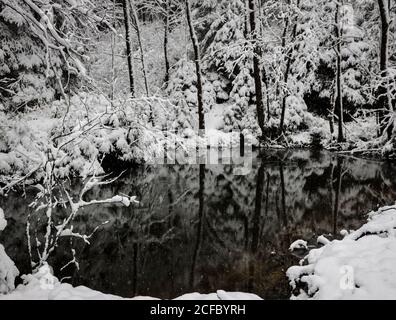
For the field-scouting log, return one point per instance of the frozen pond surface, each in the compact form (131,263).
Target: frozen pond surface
(203,228)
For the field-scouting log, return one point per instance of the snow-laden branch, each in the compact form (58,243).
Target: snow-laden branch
(54,193)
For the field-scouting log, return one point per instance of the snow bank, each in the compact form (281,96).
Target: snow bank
(8,270)
(3,221)
(360,266)
(44,286)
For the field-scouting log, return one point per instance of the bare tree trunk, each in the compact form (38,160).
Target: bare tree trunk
(128,39)
(197,57)
(383,92)
(265,80)
(288,65)
(246,33)
(113,76)
(246,30)
(338,102)
(137,25)
(263,71)
(331,115)
(331,186)
(256,66)
(113,72)
(139,38)
(166,36)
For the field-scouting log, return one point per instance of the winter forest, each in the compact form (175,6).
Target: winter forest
(213,149)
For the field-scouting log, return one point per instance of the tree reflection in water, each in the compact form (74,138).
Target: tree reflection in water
(202,228)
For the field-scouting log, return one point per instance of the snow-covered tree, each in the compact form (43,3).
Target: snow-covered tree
(42,48)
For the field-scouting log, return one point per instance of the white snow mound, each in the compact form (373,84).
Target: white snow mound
(3,221)
(298,244)
(44,286)
(8,272)
(360,266)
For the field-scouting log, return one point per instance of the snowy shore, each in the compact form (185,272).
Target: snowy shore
(360,266)
(44,286)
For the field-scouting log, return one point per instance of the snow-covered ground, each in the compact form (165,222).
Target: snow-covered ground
(8,270)
(44,286)
(3,221)
(360,266)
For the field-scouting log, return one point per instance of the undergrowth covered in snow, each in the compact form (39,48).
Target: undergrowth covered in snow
(75,136)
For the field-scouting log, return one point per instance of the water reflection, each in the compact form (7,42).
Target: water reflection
(202,228)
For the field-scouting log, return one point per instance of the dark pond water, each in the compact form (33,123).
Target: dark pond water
(203,228)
